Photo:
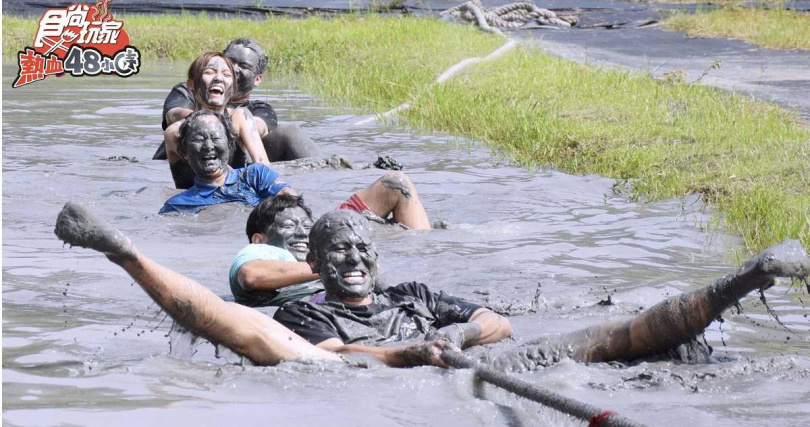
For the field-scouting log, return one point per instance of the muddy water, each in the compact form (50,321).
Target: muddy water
(83,346)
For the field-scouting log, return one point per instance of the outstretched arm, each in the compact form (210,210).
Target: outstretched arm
(484,327)
(243,330)
(426,353)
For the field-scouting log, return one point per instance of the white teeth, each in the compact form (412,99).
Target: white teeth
(300,245)
(353,274)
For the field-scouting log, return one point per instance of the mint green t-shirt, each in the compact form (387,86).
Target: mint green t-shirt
(261,251)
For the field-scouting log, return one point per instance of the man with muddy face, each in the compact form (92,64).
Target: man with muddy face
(272,269)
(354,320)
(249,65)
(206,146)
(205,142)
(357,317)
(346,259)
(281,142)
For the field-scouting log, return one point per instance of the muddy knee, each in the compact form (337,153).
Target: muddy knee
(398,183)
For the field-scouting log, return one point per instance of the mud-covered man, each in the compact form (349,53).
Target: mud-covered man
(272,269)
(358,318)
(281,142)
(205,140)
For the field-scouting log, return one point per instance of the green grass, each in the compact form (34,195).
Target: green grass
(774,28)
(750,159)
(366,61)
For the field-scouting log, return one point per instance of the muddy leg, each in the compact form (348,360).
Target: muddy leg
(676,320)
(668,324)
(192,305)
(288,142)
(394,193)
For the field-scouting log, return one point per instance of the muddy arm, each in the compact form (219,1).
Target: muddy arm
(245,126)
(176,114)
(273,274)
(426,353)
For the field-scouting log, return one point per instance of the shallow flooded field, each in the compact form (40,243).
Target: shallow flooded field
(82,345)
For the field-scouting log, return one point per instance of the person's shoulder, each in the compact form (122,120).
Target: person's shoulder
(181,87)
(265,252)
(259,168)
(185,201)
(239,113)
(295,310)
(415,289)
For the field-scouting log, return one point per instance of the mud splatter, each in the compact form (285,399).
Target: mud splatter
(121,159)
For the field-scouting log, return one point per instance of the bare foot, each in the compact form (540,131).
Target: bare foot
(76,226)
(787,259)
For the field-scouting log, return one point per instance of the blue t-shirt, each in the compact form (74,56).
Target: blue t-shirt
(248,185)
(261,251)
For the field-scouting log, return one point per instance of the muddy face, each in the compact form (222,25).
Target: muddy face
(348,261)
(206,147)
(246,66)
(215,86)
(290,230)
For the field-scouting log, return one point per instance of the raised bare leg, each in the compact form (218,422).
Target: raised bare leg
(395,194)
(192,305)
(672,322)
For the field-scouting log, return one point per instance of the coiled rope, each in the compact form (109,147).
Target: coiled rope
(511,15)
(508,16)
(596,417)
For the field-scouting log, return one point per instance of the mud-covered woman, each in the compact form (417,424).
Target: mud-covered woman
(211,79)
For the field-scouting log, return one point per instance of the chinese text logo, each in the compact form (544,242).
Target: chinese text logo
(80,39)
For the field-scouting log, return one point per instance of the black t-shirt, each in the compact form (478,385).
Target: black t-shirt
(404,312)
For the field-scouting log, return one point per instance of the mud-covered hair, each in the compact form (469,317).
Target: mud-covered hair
(264,214)
(252,45)
(198,115)
(195,70)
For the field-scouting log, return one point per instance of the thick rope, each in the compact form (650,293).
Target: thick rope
(508,16)
(595,416)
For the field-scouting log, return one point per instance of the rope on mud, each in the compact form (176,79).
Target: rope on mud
(450,72)
(509,16)
(595,416)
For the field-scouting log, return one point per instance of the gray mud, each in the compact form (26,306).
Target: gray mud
(82,345)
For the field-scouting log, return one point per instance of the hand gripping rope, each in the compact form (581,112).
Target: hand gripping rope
(595,416)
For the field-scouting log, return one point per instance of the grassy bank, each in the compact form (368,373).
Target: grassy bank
(751,159)
(773,28)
